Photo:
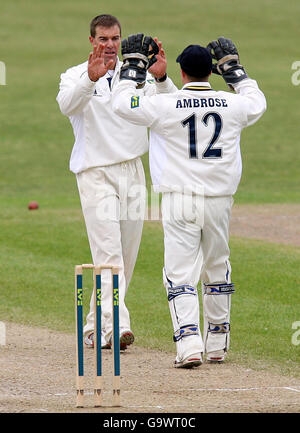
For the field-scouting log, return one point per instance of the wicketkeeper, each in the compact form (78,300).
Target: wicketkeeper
(195,162)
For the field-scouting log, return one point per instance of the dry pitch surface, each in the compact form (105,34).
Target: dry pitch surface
(37,365)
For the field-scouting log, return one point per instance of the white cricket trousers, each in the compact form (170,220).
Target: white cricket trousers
(113,205)
(196,236)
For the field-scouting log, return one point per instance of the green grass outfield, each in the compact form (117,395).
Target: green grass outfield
(37,272)
(39,41)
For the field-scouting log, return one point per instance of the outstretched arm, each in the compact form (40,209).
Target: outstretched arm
(228,66)
(139,55)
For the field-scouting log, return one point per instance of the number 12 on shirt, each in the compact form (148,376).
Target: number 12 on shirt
(210,151)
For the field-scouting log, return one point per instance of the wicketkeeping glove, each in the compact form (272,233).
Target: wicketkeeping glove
(228,63)
(138,56)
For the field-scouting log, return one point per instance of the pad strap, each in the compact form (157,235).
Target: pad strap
(220,328)
(185,289)
(219,289)
(185,331)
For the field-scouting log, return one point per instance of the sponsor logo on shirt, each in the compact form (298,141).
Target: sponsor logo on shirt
(97,94)
(135,101)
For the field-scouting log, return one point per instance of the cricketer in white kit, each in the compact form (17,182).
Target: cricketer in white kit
(106,161)
(195,162)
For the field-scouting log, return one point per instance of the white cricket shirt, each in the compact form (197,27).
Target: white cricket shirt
(101,137)
(195,133)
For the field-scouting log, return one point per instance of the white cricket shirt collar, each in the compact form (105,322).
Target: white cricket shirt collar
(198,84)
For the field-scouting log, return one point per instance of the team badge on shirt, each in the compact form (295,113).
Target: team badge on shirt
(135,101)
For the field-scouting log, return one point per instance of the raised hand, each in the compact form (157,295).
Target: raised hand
(96,66)
(159,68)
(139,54)
(228,62)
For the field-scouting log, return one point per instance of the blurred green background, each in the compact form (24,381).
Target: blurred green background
(38,250)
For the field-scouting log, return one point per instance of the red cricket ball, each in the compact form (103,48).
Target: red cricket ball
(33,205)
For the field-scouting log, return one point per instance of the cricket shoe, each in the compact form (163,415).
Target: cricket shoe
(89,342)
(126,339)
(191,361)
(216,356)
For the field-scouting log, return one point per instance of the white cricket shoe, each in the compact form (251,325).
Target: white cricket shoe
(89,342)
(191,361)
(216,356)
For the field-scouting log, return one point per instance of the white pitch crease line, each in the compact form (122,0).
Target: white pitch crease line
(289,388)
(150,407)
(64,394)
(292,389)
(243,389)
(189,406)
